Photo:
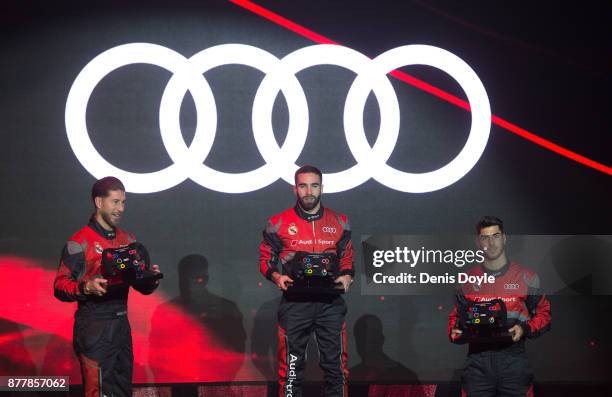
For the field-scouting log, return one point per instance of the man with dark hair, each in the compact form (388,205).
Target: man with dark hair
(307,169)
(104,186)
(497,366)
(102,334)
(488,221)
(309,228)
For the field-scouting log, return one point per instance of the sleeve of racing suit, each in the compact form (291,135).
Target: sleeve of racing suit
(344,249)
(68,286)
(538,307)
(269,250)
(454,319)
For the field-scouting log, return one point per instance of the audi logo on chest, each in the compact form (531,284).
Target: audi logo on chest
(328,229)
(188,75)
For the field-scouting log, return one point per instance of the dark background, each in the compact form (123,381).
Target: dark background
(545,67)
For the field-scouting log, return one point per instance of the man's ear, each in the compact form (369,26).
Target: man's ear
(98,202)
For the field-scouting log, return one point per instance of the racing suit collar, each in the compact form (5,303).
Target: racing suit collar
(497,273)
(306,216)
(107,234)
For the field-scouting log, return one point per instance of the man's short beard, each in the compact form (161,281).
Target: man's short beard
(107,218)
(309,206)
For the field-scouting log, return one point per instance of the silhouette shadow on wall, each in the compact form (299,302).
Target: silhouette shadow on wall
(203,331)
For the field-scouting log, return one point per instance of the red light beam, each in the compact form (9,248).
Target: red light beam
(405,77)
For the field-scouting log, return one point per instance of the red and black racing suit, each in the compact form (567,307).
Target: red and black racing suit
(501,368)
(298,316)
(102,336)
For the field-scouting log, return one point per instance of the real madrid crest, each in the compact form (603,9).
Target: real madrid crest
(292,229)
(98,247)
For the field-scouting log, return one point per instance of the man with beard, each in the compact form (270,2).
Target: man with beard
(308,227)
(102,334)
(498,366)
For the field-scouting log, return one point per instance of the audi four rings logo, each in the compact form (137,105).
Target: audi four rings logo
(511,286)
(328,229)
(188,75)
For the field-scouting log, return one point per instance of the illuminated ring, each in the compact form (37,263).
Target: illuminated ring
(192,158)
(479,131)
(325,54)
(88,79)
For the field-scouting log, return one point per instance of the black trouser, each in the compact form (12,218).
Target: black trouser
(497,373)
(104,347)
(297,320)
